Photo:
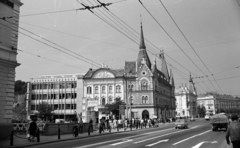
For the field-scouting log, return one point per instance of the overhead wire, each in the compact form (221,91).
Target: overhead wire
(169,35)
(117,24)
(96,64)
(60,11)
(136,32)
(190,45)
(58,49)
(59,46)
(46,58)
(76,36)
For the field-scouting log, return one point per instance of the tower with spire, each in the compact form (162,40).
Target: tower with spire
(153,90)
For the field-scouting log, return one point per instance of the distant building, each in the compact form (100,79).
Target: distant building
(216,103)
(186,100)
(147,90)
(63,93)
(9,18)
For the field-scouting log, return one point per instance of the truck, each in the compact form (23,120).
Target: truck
(219,121)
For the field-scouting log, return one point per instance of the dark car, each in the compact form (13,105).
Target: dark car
(181,123)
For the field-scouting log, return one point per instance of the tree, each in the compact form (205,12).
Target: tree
(201,110)
(20,87)
(114,107)
(44,111)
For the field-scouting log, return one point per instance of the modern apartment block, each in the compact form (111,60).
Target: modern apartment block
(62,92)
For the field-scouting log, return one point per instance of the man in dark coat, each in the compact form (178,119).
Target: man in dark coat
(33,129)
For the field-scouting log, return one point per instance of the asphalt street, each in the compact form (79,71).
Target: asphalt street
(198,135)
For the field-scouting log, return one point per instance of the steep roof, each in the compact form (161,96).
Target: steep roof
(171,78)
(163,65)
(130,68)
(142,52)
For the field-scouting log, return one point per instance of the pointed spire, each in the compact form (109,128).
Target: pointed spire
(190,78)
(142,52)
(142,43)
(171,78)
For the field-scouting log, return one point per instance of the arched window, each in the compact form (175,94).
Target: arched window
(103,89)
(103,101)
(89,90)
(110,88)
(144,99)
(96,90)
(118,89)
(144,85)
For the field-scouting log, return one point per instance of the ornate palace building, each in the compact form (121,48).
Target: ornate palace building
(148,92)
(186,100)
(216,103)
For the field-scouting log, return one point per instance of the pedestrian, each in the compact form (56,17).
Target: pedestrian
(80,127)
(90,127)
(33,129)
(233,132)
(75,130)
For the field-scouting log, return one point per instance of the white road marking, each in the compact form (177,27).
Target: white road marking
(122,142)
(121,138)
(166,140)
(191,137)
(164,135)
(199,144)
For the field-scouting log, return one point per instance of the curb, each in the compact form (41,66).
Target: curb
(68,139)
(61,140)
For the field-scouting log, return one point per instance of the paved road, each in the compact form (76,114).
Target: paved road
(198,135)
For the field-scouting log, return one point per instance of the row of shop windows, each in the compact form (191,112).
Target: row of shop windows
(57,106)
(54,96)
(59,85)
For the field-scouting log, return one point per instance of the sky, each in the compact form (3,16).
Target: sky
(201,38)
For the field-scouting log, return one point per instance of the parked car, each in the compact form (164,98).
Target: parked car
(181,123)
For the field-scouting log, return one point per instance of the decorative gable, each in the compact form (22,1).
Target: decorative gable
(103,74)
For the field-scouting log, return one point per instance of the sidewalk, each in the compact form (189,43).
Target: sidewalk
(22,141)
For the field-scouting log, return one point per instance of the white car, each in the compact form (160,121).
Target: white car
(192,119)
(207,117)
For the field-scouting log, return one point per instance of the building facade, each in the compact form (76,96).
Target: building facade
(9,18)
(147,91)
(63,93)
(216,103)
(186,100)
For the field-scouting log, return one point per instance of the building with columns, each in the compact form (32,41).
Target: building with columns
(9,18)
(186,100)
(147,91)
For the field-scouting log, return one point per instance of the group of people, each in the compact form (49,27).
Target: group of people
(108,124)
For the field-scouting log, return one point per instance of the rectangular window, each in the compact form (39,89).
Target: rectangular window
(33,97)
(32,107)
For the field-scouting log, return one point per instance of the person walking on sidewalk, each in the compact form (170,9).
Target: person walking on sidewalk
(90,127)
(33,129)
(80,127)
(233,131)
